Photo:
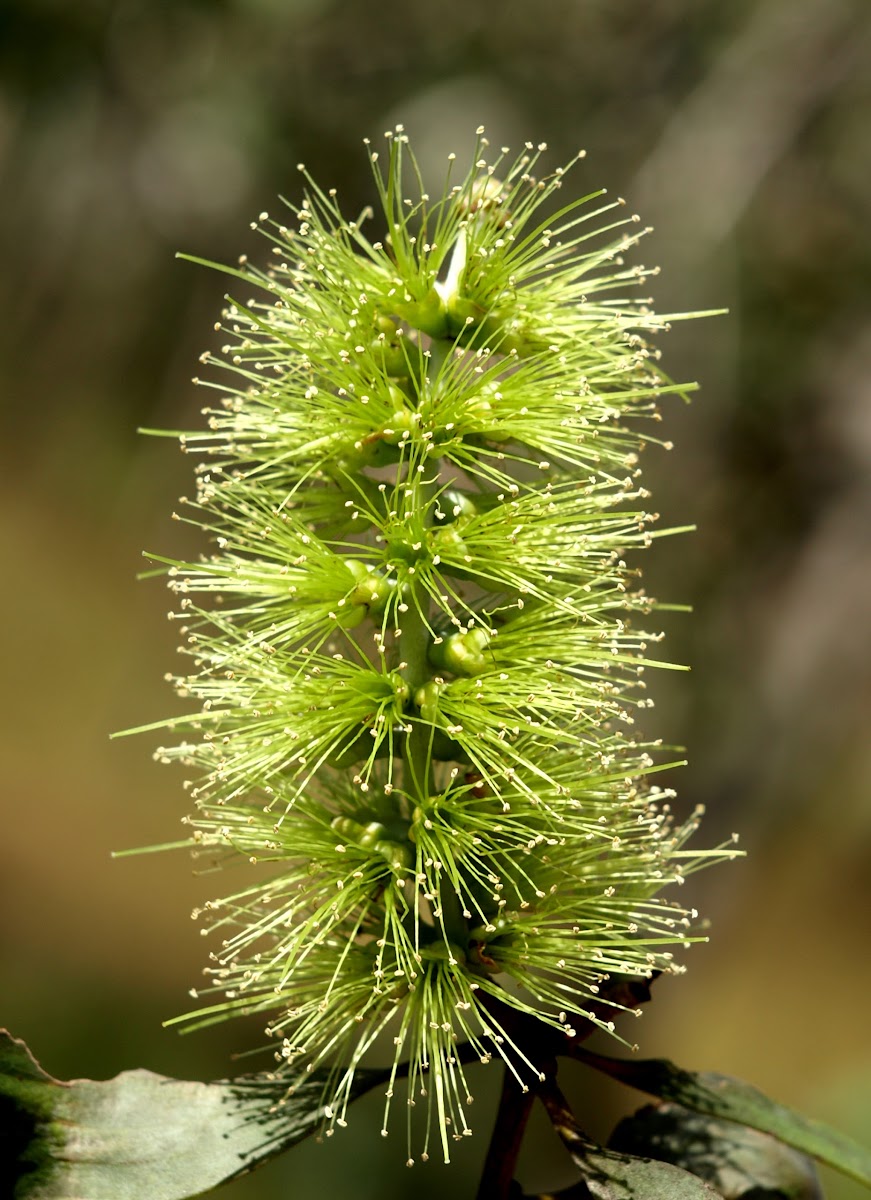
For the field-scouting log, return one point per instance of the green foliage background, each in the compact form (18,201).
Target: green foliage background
(129,130)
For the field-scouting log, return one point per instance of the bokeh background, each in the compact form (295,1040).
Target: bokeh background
(742,132)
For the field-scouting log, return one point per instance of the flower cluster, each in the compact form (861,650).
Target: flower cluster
(416,644)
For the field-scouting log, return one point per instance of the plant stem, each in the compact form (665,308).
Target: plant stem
(416,750)
(416,636)
(416,640)
(515,1106)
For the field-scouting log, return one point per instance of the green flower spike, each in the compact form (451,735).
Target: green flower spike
(415,644)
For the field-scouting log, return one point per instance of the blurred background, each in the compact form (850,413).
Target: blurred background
(742,132)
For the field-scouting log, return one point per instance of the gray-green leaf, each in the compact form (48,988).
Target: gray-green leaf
(611,1175)
(738,1161)
(142,1136)
(721,1096)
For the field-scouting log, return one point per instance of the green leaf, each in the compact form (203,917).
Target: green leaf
(612,1175)
(736,1160)
(721,1096)
(609,1175)
(142,1136)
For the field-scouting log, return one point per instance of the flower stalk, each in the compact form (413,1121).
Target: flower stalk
(419,640)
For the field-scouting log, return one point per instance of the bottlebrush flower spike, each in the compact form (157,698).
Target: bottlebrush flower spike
(415,642)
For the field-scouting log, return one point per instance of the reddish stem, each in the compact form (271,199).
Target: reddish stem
(511,1117)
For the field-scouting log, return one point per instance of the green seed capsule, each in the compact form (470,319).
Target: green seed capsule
(390,844)
(426,700)
(448,544)
(388,351)
(372,591)
(398,855)
(463,653)
(457,506)
(400,427)
(427,314)
(444,952)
